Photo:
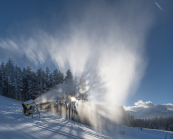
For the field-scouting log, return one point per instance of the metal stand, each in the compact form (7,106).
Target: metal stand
(35,112)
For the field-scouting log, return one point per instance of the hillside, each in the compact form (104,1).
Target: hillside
(152,112)
(15,125)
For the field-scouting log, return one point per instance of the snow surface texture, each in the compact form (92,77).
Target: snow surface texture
(15,125)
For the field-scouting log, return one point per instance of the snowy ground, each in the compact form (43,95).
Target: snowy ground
(15,125)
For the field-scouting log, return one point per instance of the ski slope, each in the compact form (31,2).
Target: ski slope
(15,125)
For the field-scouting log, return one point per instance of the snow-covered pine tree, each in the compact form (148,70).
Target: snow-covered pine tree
(68,77)
(19,83)
(2,78)
(82,90)
(51,80)
(39,81)
(47,77)
(60,77)
(44,86)
(9,76)
(34,85)
(16,83)
(69,84)
(55,77)
(30,81)
(25,85)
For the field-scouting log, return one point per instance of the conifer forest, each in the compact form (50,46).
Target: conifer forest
(25,84)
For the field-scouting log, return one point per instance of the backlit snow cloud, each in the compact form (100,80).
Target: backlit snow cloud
(107,45)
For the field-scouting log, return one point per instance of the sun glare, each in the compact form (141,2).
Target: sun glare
(73,99)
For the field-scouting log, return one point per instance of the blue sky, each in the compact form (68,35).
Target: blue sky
(157,84)
(22,20)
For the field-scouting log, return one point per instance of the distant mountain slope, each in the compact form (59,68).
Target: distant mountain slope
(148,110)
(149,113)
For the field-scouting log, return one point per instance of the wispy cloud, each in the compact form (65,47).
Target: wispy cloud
(159,6)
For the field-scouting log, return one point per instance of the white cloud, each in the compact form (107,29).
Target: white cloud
(144,104)
(140,105)
(169,106)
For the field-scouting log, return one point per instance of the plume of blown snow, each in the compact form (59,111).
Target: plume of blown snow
(106,46)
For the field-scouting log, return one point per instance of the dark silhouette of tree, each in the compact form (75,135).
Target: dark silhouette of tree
(26,84)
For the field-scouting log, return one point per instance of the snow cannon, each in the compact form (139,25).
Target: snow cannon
(29,107)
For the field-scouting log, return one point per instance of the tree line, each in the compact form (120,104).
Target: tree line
(162,123)
(25,84)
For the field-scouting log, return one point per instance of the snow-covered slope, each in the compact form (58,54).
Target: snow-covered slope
(15,125)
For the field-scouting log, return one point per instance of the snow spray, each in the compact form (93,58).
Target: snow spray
(106,46)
